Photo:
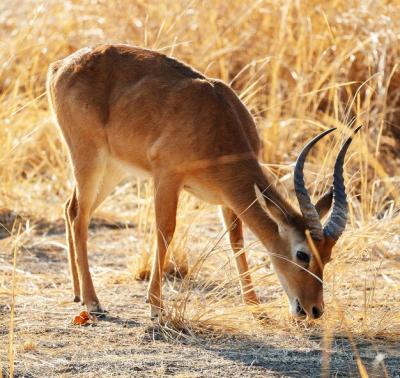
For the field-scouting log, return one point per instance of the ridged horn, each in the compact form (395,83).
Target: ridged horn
(308,210)
(338,219)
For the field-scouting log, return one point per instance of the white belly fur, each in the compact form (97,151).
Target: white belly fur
(203,193)
(128,170)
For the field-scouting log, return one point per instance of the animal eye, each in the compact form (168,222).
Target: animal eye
(302,256)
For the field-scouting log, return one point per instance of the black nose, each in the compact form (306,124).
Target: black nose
(316,312)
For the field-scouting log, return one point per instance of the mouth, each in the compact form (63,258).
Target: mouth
(299,310)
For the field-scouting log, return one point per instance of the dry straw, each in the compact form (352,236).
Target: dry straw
(300,67)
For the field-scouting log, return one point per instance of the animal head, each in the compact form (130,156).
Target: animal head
(304,245)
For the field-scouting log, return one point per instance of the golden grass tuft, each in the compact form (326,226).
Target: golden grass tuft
(299,67)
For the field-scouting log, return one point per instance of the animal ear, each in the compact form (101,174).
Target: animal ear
(271,207)
(324,204)
(260,198)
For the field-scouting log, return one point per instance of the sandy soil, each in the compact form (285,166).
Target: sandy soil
(127,343)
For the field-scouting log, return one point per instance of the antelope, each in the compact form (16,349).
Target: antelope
(125,111)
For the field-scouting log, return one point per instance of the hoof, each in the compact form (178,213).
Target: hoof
(177,271)
(77,299)
(155,313)
(261,317)
(99,314)
(97,310)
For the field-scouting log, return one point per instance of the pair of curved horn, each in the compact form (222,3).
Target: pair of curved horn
(337,221)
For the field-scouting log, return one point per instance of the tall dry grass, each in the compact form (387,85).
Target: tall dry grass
(299,67)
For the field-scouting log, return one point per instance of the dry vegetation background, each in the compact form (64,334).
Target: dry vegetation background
(299,67)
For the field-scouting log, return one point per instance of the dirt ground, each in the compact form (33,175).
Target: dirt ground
(127,343)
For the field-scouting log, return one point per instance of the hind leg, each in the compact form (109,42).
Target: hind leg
(89,174)
(71,209)
(166,201)
(111,178)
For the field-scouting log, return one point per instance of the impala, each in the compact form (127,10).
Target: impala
(125,111)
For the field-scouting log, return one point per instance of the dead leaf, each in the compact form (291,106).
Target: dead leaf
(81,319)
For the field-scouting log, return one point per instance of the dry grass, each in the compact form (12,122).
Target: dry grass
(299,67)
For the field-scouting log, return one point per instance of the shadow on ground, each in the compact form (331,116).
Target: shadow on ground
(380,357)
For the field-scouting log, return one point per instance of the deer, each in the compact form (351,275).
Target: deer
(127,111)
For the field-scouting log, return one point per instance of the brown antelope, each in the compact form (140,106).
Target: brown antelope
(124,110)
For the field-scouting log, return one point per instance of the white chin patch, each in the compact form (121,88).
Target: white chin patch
(293,308)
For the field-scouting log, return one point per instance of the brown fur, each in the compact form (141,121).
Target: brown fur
(120,106)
